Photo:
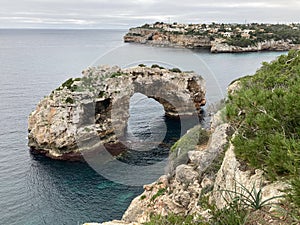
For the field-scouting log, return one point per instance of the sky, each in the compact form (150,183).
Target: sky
(117,14)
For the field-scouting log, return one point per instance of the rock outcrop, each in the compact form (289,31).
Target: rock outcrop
(210,169)
(207,178)
(180,193)
(208,172)
(89,112)
(232,177)
(271,45)
(158,37)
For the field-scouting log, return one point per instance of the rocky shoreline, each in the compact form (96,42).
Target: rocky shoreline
(178,36)
(210,168)
(203,169)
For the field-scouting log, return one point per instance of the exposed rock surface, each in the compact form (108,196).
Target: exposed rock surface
(163,38)
(180,193)
(89,112)
(155,37)
(208,177)
(232,177)
(218,47)
(209,171)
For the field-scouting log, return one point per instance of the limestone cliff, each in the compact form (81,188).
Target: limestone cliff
(181,191)
(160,37)
(211,182)
(209,171)
(211,168)
(92,111)
(270,45)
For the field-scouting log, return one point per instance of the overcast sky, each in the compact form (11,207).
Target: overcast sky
(128,13)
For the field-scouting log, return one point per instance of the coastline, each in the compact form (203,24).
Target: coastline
(202,182)
(181,36)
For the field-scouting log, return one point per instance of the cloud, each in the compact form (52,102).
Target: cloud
(124,14)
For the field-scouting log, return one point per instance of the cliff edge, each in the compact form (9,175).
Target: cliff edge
(247,171)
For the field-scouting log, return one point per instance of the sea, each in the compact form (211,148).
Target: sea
(35,190)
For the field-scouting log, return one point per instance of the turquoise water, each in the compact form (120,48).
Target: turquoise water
(35,190)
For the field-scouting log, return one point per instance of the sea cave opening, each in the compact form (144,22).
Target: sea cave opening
(149,133)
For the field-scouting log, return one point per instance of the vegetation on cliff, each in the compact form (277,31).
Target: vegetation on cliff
(179,151)
(238,35)
(265,110)
(251,34)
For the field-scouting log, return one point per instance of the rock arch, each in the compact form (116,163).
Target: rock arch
(97,105)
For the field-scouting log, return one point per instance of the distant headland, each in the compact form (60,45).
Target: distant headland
(219,37)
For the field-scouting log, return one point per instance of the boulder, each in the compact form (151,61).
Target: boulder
(185,174)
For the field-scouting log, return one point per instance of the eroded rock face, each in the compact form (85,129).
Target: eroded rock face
(231,177)
(180,193)
(92,111)
(209,171)
(158,38)
(155,37)
(271,45)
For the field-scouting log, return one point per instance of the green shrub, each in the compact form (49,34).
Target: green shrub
(240,41)
(246,206)
(86,129)
(196,136)
(160,192)
(230,215)
(188,142)
(101,94)
(172,219)
(69,100)
(175,70)
(157,66)
(69,84)
(117,74)
(266,113)
(294,194)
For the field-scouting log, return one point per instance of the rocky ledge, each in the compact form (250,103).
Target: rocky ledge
(87,113)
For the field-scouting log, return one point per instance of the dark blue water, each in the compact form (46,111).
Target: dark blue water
(38,191)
